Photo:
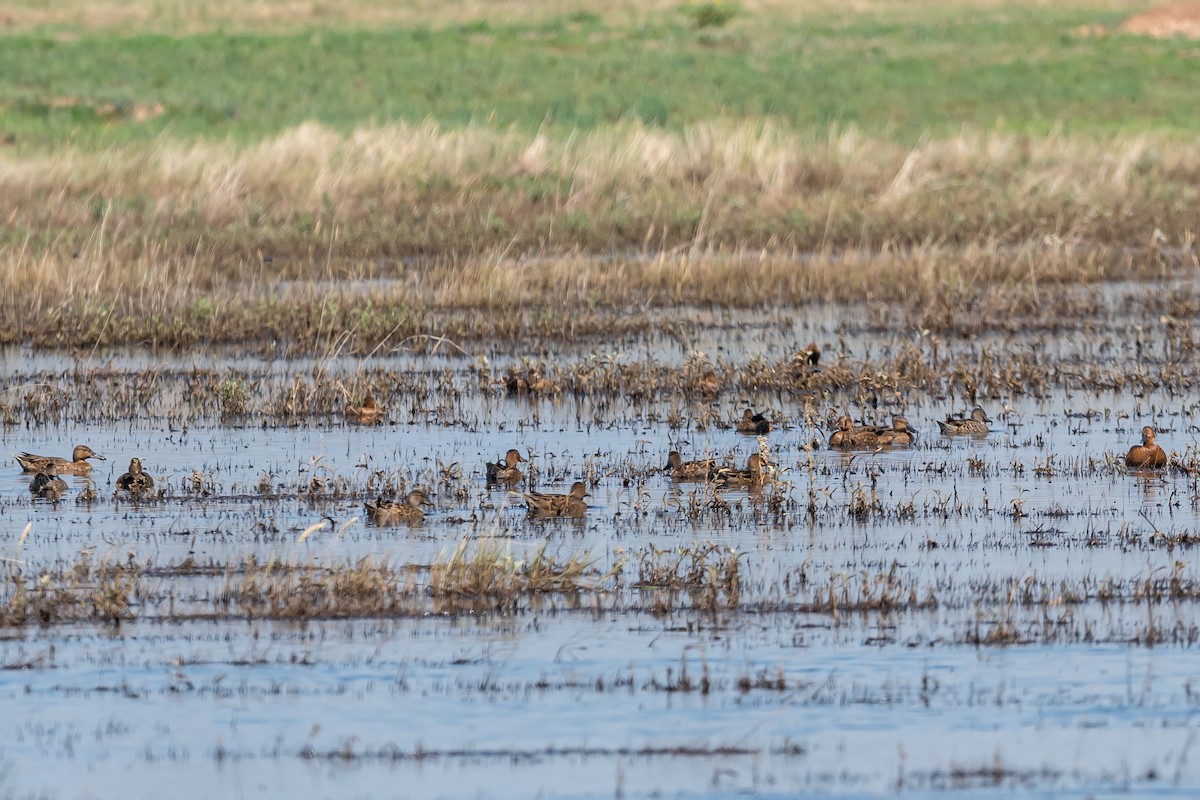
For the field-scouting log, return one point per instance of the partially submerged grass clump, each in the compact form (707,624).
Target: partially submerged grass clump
(487,568)
(85,591)
(277,590)
(710,575)
(484,578)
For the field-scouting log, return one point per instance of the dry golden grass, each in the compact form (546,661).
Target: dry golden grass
(728,213)
(488,568)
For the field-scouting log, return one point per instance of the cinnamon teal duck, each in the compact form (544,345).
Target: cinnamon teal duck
(753,476)
(753,423)
(848,437)
(136,480)
(558,505)
(680,470)
(706,386)
(78,465)
(809,357)
(47,484)
(1146,455)
(389,512)
(975,425)
(506,471)
(369,413)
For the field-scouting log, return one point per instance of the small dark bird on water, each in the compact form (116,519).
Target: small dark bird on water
(47,484)
(753,423)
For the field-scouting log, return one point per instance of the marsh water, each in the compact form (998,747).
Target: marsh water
(1015,612)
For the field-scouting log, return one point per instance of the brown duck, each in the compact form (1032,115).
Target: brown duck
(976,425)
(681,470)
(753,476)
(47,484)
(808,358)
(389,512)
(136,480)
(369,413)
(753,423)
(1146,455)
(898,433)
(558,505)
(848,437)
(707,385)
(506,471)
(78,464)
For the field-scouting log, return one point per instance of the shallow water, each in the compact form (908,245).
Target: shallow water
(1052,656)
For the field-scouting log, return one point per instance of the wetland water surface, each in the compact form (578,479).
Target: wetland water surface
(967,615)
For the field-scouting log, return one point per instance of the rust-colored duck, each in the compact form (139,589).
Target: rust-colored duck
(369,413)
(1146,455)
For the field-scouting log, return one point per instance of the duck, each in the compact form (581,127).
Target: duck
(807,358)
(389,512)
(78,465)
(136,480)
(976,424)
(753,476)
(848,437)
(506,471)
(369,413)
(898,433)
(559,505)
(681,470)
(753,423)
(1146,455)
(47,484)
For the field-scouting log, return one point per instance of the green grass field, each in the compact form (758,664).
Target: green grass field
(1012,67)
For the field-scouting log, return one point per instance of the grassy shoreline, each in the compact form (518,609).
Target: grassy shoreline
(245,175)
(410,227)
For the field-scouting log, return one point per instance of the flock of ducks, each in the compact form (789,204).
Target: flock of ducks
(849,437)
(48,484)
(505,473)
(757,472)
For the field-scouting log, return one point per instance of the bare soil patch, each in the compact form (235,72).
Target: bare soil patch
(1166,22)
